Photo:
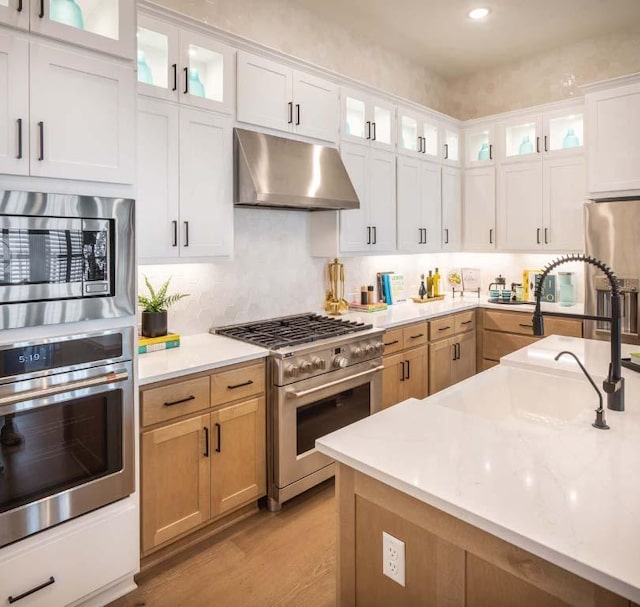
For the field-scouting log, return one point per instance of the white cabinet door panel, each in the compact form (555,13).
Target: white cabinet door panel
(479,209)
(353,223)
(382,200)
(409,212)
(451,209)
(157,196)
(82,116)
(206,181)
(520,206)
(431,204)
(15,13)
(564,198)
(14,103)
(317,107)
(265,95)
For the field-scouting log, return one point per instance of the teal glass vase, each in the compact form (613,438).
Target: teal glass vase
(67,12)
(526,147)
(144,71)
(570,140)
(195,85)
(483,154)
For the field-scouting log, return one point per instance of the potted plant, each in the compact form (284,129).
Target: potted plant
(154,313)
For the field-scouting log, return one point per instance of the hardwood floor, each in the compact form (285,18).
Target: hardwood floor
(285,560)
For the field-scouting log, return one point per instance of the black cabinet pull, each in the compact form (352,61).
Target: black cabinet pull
(297,114)
(219,441)
(41,139)
(537,145)
(466,322)
(186,80)
(19,9)
(402,370)
(424,145)
(391,343)
(375,235)
(546,236)
(526,326)
(446,151)
(373,124)
(416,336)
(41,13)
(454,351)
(491,151)
(186,233)
(425,236)
(368,129)
(446,236)
(290,112)
(420,144)
(175,233)
(546,149)
(19,122)
(408,369)
(444,328)
(178,402)
(538,235)
(206,441)
(175,76)
(242,385)
(420,236)
(368,235)
(15,599)
(490,235)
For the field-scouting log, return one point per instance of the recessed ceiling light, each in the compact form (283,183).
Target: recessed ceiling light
(478,13)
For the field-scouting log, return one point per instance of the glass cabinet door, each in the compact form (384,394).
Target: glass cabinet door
(479,147)
(451,152)
(15,13)
(564,132)
(157,58)
(522,139)
(383,125)
(431,143)
(354,117)
(103,25)
(207,75)
(409,133)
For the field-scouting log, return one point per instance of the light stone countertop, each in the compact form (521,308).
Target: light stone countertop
(196,353)
(512,451)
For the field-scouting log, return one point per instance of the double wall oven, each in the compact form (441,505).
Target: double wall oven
(66,400)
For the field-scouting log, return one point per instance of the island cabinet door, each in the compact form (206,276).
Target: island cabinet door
(238,457)
(441,355)
(465,364)
(414,384)
(392,375)
(175,480)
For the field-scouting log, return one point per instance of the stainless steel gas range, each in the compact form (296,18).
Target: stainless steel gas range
(323,373)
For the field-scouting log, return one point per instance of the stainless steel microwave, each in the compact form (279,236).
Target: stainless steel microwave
(64,258)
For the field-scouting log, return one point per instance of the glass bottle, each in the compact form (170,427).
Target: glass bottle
(144,71)
(195,84)
(67,12)
(422,291)
(430,285)
(436,283)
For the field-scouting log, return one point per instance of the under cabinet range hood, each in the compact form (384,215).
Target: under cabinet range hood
(281,173)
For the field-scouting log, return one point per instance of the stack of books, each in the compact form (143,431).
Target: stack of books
(373,307)
(153,344)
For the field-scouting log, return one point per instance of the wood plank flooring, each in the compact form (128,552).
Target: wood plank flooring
(268,560)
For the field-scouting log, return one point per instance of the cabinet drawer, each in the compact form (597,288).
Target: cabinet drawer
(441,328)
(393,341)
(414,335)
(168,402)
(466,321)
(237,383)
(569,327)
(509,322)
(496,345)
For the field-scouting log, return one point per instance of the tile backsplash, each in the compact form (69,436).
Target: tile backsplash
(272,273)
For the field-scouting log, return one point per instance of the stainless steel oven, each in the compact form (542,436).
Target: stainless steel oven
(66,429)
(64,258)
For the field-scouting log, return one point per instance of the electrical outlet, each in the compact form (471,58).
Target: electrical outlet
(393,558)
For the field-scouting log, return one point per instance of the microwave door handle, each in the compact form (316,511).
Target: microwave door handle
(330,384)
(107,378)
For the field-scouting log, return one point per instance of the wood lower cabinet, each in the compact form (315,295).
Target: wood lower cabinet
(198,468)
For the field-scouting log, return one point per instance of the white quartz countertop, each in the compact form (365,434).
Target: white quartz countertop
(196,353)
(512,451)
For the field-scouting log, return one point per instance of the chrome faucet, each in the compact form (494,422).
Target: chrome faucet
(614,384)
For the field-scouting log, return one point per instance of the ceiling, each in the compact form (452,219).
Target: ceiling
(438,33)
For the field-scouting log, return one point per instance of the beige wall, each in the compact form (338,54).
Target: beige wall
(539,79)
(282,25)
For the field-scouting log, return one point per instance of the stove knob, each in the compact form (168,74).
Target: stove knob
(379,346)
(340,362)
(291,371)
(318,363)
(369,350)
(356,352)
(305,366)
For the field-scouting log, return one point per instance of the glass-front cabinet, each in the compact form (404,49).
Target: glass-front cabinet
(419,135)
(368,120)
(102,25)
(14,13)
(181,65)
(451,145)
(479,145)
(564,131)
(522,138)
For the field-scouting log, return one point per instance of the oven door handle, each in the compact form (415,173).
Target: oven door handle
(107,378)
(337,382)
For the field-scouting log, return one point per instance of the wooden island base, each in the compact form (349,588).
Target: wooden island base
(449,563)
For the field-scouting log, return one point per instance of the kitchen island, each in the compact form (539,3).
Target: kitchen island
(500,488)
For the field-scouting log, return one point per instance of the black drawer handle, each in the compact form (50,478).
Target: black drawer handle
(526,326)
(206,441)
(242,385)
(178,402)
(416,336)
(391,343)
(443,328)
(219,432)
(466,322)
(15,599)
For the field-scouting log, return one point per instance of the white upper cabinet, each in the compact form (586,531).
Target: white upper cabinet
(14,103)
(15,13)
(101,25)
(451,152)
(419,135)
(367,120)
(613,128)
(274,96)
(521,138)
(479,145)
(479,209)
(451,209)
(183,66)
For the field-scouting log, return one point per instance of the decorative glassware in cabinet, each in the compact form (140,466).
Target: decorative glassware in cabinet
(409,134)
(431,139)
(452,151)
(206,73)
(519,139)
(565,132)
(153,58)
(97,17)
(478,146)
(382,119)
(355,118)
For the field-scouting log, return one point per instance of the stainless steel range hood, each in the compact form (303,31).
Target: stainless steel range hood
(281,173)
